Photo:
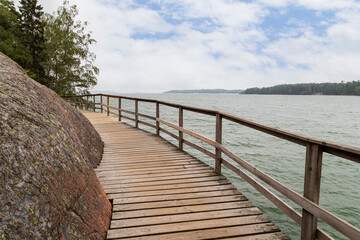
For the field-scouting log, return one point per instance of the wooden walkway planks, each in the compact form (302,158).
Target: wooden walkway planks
(160,192)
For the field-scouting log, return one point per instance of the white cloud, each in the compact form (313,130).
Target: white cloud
(50,5)
(185,61)
(327,5)
(218,43)
(330,57)
(313,4)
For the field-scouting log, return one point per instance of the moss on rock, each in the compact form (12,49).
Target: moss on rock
(48,188)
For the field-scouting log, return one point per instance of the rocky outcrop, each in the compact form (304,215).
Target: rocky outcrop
(48,188)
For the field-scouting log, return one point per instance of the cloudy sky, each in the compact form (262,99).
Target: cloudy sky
(159,45)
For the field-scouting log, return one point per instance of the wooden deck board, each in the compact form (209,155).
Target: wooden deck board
(233,204)
(178,203)
(160,192)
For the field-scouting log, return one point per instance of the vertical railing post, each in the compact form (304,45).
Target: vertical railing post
(87,103)
(94,105)
(136,113)
(219,141)
(101,104)
(181,124)
(119,108)
(311,189)
(157,116)
(108,104)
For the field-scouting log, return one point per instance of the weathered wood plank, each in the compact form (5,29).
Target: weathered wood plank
(185,217)
(177,196)
(162,177)
(266,236)
(164,192)
(185,226)
(115,172)
(143,189)
(140,162)
(119,166)
(166,172)
(160,192)
(179,202)
(160,183)
(247,230)
(220,204)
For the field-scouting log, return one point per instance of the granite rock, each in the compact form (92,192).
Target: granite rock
(48,188)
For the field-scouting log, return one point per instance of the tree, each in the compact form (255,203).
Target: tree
(349,88)
(70,66)
(10,34)
(32,29)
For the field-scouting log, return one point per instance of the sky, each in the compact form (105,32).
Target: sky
(159,45)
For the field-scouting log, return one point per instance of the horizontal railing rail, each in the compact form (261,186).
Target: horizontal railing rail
(309,201)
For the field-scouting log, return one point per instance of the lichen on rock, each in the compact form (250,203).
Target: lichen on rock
(48,188)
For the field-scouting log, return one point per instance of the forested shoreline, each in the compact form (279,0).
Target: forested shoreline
(343,88)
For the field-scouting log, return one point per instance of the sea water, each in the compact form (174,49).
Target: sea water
(333,118)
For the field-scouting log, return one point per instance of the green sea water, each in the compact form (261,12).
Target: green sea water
(334,118)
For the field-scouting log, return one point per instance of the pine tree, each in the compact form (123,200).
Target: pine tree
(10,34)
(32,29)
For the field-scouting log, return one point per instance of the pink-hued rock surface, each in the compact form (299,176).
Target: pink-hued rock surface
(48,188)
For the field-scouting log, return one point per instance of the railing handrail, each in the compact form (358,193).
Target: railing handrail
(333,148)
(314,149)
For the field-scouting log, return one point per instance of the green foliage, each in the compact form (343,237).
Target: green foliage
(349,88)
(52,48)
(10,34)
(30,73)
(70,66)
(32,36)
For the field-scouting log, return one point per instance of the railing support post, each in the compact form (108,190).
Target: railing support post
(108,109)
(311,189)
(94,105)
(181,124)
(119,108)
(87,103)
(218,140)
(101,104)
(157,116)
(136,113)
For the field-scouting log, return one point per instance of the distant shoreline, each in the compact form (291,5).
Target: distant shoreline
(235,91)
(326,89)
(334,89)
(276,94)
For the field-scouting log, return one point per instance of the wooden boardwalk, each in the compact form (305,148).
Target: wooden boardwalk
(160,192)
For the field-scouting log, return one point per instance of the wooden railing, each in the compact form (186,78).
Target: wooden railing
(309,202)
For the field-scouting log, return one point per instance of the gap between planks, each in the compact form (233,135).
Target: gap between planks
(160,192)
